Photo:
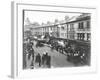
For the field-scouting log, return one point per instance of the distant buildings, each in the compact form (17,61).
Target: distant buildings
(78,29)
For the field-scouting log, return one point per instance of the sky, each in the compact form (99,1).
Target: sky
(43,17)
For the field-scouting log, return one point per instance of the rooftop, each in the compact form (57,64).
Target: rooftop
(61,22)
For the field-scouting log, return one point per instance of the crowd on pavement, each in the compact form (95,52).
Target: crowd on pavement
(40,60)
(75,54)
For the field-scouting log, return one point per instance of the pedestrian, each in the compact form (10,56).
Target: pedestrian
(49,61)
(43,58)
(47,58)
(32,54)
(24,58)
(38,59)
(29,54)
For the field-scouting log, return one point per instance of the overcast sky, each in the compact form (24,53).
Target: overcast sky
(43,17)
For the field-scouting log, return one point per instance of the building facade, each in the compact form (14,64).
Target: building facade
(78,29)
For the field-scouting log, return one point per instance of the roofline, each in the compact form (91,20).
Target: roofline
(62,23)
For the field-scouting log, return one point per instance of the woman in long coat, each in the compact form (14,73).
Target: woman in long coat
(38,59)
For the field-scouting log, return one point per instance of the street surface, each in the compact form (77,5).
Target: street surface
(57,59)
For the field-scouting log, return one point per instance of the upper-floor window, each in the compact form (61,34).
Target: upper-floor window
(50,28)
(62,34)
(71,27)
(81,25)
(88,24)
(62,28)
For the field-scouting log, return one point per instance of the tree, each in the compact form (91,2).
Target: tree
(28,33)
(35,24)
(42,23)
(27,21)
(48,22)
(56,20)
(46,35)
(66,18)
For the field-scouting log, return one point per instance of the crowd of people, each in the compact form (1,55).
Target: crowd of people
(29,52)
(77,54)
(44,60)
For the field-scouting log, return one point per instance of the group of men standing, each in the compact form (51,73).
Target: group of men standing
(44,60)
